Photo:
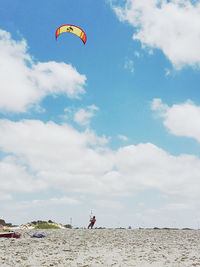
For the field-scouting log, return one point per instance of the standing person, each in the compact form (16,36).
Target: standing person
(92,222)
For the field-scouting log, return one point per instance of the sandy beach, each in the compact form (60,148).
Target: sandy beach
(103,247)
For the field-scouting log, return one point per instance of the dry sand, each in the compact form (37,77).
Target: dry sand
(103,247)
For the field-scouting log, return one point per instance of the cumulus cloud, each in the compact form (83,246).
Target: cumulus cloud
(122,137)
(58,155)
(146,166)
(181,119)
(14,178)
(172,26)
(24,82)
(48,155)
(83,116)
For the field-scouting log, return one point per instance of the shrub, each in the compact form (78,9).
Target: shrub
(68,226)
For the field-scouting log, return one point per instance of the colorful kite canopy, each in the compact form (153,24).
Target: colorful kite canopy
(73,29)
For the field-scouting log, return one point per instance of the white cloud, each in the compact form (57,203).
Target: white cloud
(83,116)
(44,156)
(180,119)
(5,196)
(178,206)
(122,137)
(58,155)
(137,54)
(47,155)
(159,106)
(172,26)
(24,83)
(108,204)
(167,72)
(129,65)
(14,178)
(23,211)
(146,166)
(47,203)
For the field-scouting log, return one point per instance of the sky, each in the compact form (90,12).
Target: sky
(110,128)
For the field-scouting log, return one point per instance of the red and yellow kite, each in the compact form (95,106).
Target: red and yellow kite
(73,29)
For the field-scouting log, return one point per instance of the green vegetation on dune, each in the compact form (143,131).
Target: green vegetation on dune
(46,225)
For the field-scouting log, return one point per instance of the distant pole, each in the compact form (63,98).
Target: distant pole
(71,221)
(91,214)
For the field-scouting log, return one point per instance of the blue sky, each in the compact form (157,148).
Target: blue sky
(111,126)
